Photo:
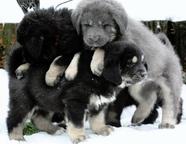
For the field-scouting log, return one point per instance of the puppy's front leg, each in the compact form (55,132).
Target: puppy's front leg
(75,116)
(72,69)
(98,125)
(97,63)
(146,95)
(169,107)
(54,72)
(21,70)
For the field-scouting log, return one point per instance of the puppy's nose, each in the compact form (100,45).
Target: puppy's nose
(94,38)
(142,73)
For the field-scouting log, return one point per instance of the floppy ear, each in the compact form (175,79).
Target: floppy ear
(76,17)
(112,73)
(119,15)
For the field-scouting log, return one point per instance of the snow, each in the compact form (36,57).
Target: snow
(139,9)
(127,134)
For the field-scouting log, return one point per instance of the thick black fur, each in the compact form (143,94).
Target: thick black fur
(70,96)
(47,33)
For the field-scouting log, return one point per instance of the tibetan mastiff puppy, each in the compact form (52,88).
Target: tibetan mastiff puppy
(44,35)
(94,18)
(96,29)
(86,92)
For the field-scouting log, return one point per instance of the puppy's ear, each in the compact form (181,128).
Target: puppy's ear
(120,16)
(76,18)
(111,71)
(112,74)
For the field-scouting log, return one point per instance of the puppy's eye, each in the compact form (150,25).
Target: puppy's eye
(87,25)
(106,25)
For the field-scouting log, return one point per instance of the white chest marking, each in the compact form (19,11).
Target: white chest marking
(98,101)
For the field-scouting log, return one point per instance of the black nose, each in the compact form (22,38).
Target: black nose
(94,38)
(142,73)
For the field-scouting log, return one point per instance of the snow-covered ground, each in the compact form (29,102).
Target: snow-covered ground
(138,9)
(145,134)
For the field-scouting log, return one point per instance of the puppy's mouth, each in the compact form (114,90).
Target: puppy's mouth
(94,45)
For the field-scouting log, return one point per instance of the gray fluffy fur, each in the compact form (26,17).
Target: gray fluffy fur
(164,67)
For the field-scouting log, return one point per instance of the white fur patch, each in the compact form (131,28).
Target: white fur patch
(142,58)
(97,63)
(134,59)
(97,101)
(122,85)
(53,72)
(72,69)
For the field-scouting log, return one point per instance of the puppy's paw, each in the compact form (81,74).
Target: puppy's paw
(18,137)
(53,78)
(137,119)
(79,139)
(21,70)
(166,125)
(60,131)
(19,74)
(105,131)
(141,113)
(97,63)
(71,73)
(97,67)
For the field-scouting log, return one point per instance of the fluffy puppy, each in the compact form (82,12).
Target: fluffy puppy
(85,92)
(163,64)
(45,34)
(97,29)
(148,93)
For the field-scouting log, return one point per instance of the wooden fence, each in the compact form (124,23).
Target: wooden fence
(176,32)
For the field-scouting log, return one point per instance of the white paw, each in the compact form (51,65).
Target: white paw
(105,131)
(70,73)
(97,63)
(60,131)
(18,137)
(166,125)
(138,118)
(72,69)
(21,70)
(78,139)
(52,78)
(97,67)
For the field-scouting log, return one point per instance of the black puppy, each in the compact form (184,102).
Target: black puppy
(45,34)
(85,92)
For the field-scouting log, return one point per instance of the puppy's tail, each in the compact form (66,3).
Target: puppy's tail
(164,39)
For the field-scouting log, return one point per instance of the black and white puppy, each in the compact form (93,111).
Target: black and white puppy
(146,96)
(85,92)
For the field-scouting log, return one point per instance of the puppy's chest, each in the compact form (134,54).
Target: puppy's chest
(98,101)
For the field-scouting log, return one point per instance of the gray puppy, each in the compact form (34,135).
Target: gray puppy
(91,19)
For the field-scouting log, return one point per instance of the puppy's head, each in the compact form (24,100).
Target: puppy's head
(99,22)
(124,64)
(133,66)
(36,32)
